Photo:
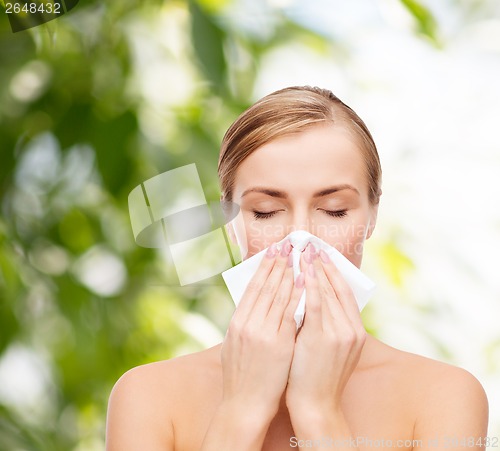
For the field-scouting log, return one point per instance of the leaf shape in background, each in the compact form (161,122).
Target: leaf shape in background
(70,4)
(10,289)
(395,263)
(208,41)
(426,23)
(111,139)
(213,6)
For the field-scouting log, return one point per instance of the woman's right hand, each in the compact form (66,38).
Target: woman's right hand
(258,348)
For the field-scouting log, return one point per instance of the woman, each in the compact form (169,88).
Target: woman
(298,159)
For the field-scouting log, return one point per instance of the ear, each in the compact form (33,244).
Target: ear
(373,220)
(230,231)
(228,216)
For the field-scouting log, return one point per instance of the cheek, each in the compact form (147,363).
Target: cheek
(347,236)
(351,243)
(252,236)
(261,234)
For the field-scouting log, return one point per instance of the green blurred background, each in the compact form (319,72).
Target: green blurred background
(114,93)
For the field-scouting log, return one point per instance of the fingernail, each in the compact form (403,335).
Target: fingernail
(271,251)
(299,281)
(307,253)
(314,253)
(290,260)
(324,256)
(287,247)
(311,271)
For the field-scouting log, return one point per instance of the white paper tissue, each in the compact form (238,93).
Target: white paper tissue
(237,278)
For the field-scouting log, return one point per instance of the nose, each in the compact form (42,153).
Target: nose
(299,239)
(300,229)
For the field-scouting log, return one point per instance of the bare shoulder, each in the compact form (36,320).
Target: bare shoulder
(438,378)
(160,381)
(170,371)
(446,399)
(147,399)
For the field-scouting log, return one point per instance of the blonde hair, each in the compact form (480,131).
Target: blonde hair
(289,111)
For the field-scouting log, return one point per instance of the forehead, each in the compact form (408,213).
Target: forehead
(304,162)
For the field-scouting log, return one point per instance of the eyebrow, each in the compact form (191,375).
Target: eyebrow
(283,195)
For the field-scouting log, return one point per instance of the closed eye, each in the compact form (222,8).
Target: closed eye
(263,214)
(337,213)
(270,214)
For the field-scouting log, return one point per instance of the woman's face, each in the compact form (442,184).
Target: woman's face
(314,180)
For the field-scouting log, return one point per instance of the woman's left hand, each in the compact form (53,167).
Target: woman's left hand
(329,344)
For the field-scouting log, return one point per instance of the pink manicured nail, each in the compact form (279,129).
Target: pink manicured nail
(324,256)
(289,262)
(307,253)
(271,251)
(299,281)
(311,271)
(287,247)
(314,253)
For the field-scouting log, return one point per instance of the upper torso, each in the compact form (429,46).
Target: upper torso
(380,400)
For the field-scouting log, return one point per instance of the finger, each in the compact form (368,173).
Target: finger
(255,284)
(331,307)
(269,289)
(342,289)
(313,300)
(288,321)
(283,295)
